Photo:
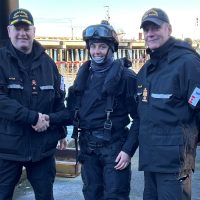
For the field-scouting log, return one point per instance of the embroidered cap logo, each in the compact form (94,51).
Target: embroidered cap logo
(150,13)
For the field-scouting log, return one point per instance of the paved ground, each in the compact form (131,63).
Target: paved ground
(70,188)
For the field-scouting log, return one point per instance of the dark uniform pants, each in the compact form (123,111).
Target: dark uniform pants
(166,186)
(41,175)
(100,180)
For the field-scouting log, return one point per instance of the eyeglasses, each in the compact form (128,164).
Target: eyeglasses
(98,30)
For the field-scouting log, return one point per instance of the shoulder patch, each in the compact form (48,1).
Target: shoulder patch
(195,97)
(62,83)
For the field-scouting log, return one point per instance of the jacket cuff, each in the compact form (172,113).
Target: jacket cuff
(53,118)
(33,117)
(127,151)
(63,118)
(130,152)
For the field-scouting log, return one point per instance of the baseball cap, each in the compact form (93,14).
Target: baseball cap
(21,15)
(155,15)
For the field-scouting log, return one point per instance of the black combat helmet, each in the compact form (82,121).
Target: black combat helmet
(102,32)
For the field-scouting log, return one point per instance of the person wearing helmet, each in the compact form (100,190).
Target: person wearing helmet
(102,98)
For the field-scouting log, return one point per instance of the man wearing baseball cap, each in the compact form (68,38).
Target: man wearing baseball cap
(19,20)
(169,104)
(21,15)
(29,86)
(156,16)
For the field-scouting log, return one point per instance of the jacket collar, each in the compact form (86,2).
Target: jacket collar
(162,51)
(37,49)
(111,82)
(171,49)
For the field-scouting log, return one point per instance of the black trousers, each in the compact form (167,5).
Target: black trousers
(40,174)
(101,181)
(166,186)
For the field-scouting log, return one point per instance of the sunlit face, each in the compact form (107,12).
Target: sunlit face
(155,36)
(21,36)
(98,51)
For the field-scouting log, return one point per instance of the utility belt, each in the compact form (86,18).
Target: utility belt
(98,138)
(97,135)
(90,142)
(95,145)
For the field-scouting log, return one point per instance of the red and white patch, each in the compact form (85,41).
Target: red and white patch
(195,97)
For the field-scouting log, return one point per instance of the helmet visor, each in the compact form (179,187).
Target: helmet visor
(100,31)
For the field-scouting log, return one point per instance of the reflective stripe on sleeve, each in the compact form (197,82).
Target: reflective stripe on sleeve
(47,87)
(15,86)
(161,96)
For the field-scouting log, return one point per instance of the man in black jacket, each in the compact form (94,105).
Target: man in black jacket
(29,86)
(169,94)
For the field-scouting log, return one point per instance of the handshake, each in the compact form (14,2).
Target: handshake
(42,123)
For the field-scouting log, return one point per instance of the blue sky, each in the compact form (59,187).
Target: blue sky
(58,17)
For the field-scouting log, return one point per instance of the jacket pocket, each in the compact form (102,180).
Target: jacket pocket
(171,97)
(167,151)
(11,145)
(11,139)
(54,134)
(10,128)
(15,89)
(47,92)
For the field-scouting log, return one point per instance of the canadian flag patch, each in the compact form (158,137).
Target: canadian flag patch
(195,97)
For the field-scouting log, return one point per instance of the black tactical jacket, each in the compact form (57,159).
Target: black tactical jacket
(24,93)
(119,82)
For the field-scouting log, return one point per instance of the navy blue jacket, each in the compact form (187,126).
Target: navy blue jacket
(25,91)
(168,91)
